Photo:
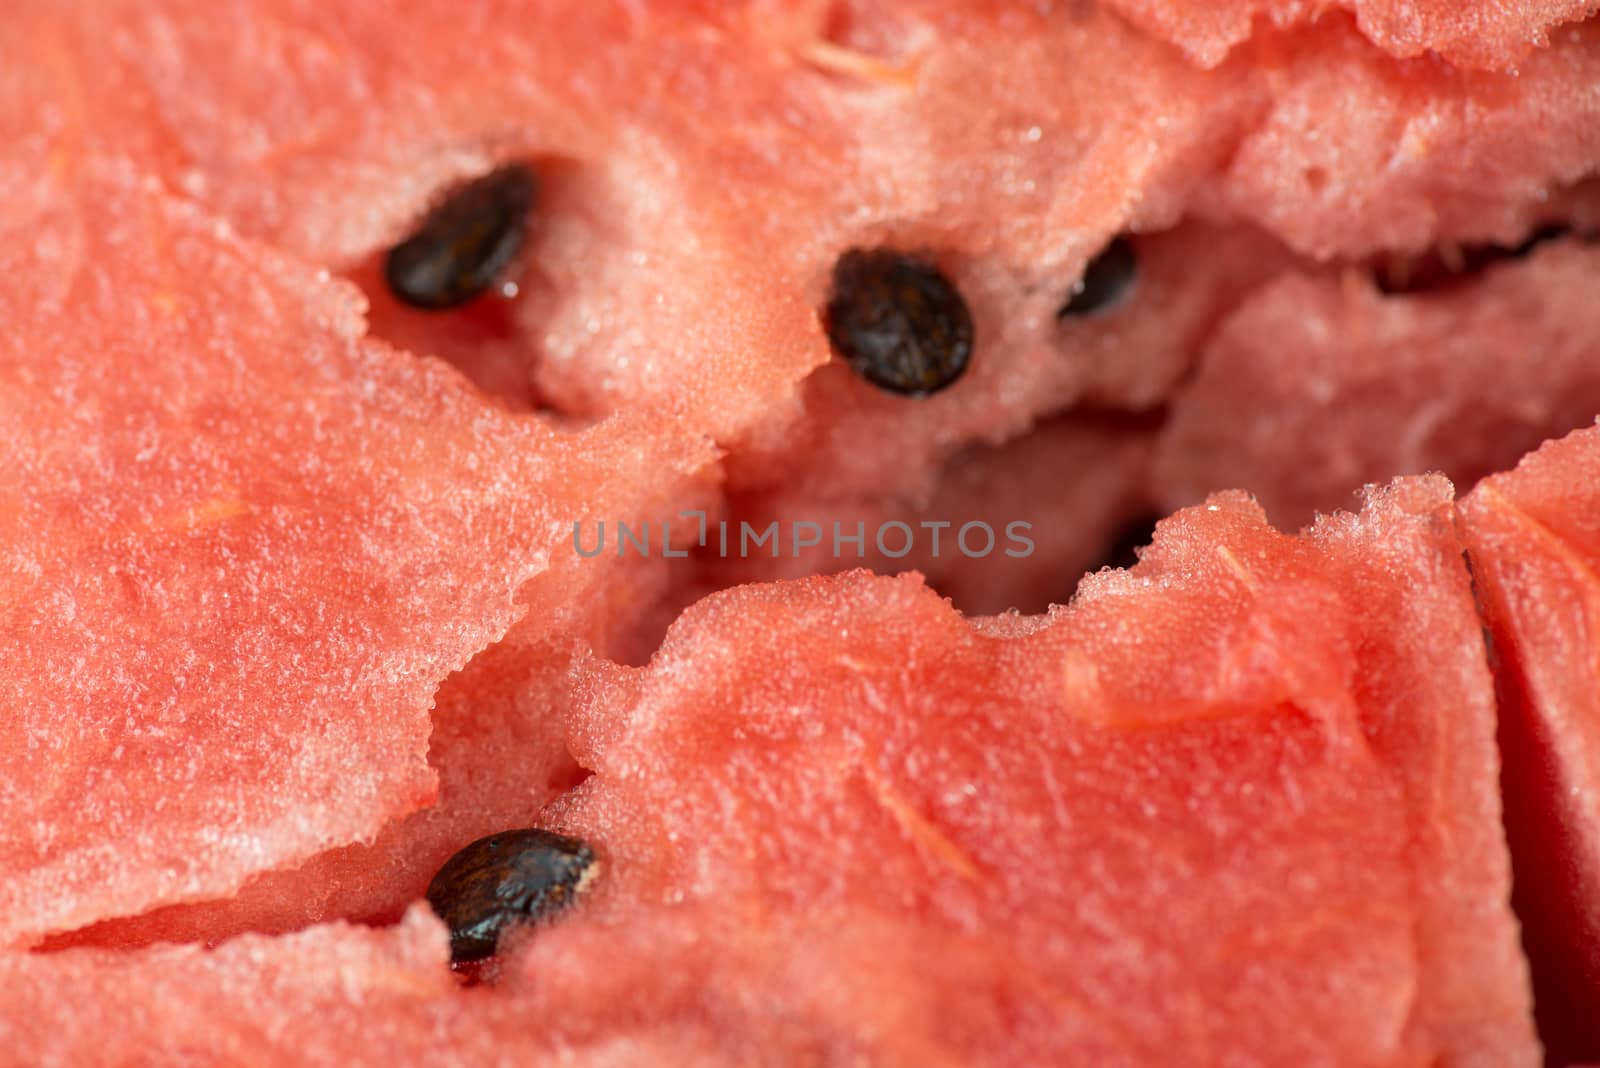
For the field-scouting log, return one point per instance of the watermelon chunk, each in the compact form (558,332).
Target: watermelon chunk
(726,155)
(1365,386)
(242,540)
(1252,771)
(1127,357)
(240,547)
(309,998)
(496,747)
(1534,538)
(1090,820)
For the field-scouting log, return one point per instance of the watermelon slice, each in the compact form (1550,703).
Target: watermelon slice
(223,1006)
(1534,537)
(644,135)
(499,755)
(680,986)
(1504,361)
(1254,770)
(242,545)
(1128,356)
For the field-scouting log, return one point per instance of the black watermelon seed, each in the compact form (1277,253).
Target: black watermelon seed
(1106,281)
(506,879)
(463,244)
(898,322)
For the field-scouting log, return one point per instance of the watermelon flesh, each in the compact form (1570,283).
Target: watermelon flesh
(681,987)
(1468,35)
(728,192)
(499,755)
(278,518)
(853,746)
(1002,531)
(1535,550)
(1418,153)
(495,744)
(702,166)
(1504,361)
(870,778)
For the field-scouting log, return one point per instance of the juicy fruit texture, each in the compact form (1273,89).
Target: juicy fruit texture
(1298,733)
(1126,358)
(679,987)
(1417,154)
(309,998)
(1311,386)
(728,154)
(874,782)
(496,745)
(1240,802)
(500,758)
(1496,36)
(1534,538)
(229,604)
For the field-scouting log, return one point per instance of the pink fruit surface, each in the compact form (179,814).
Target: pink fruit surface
(1498,36)
(1534,538)
(1417,153)
(309,998)
(496,745)
(727,154)
(1315,386)
(1250,748)
(1010,527)
(291,610)
(792,830)
(237,566)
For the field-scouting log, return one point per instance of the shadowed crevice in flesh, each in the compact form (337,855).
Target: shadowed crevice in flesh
(1546,894)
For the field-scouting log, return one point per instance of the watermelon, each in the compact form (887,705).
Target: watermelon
(260,532)
(1535,549)
(678,152)
(496,748)
(1469,35)
(1000,532)
(869,778)
(1419,153)
(1505,360)
(296,606)
(1307,793)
